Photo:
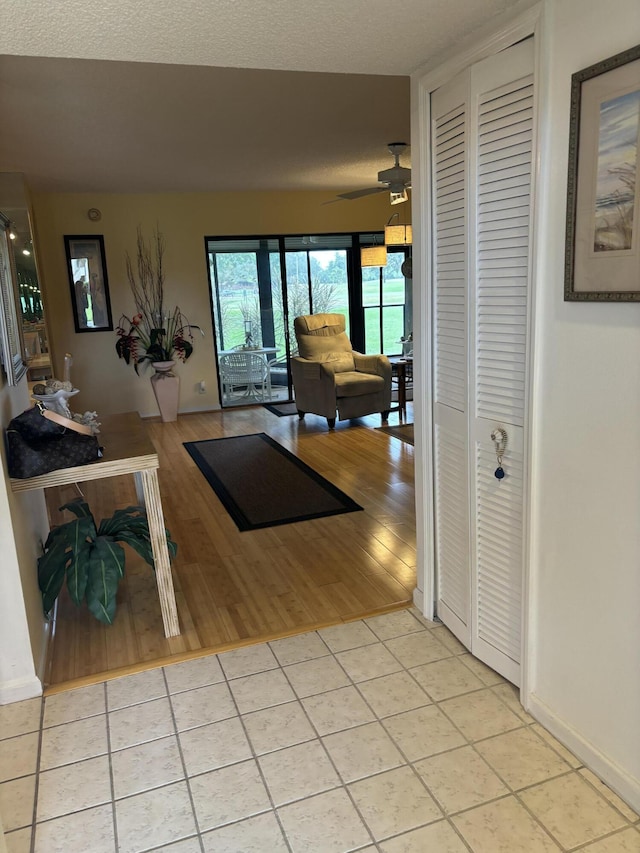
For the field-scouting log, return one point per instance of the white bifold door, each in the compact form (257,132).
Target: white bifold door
(482,135)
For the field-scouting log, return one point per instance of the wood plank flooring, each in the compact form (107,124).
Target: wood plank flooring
(234,588)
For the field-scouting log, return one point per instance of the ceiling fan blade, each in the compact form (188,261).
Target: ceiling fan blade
(362,193)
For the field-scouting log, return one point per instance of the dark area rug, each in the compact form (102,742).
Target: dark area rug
(403,431)
(282,410)
(261,484)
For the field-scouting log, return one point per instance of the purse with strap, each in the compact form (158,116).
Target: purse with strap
(40,440)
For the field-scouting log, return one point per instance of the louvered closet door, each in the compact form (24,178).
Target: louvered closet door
(482,132)
(502,92)
(451,445)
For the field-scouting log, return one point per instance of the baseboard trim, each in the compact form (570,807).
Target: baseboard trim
(418,599)
(41,666)
(19,689)
(615,777)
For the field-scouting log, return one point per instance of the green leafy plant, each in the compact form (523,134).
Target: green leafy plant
(91,558)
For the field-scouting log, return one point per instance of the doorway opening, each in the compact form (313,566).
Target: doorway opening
(259,285)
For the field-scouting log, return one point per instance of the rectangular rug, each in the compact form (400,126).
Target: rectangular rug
(261,484)
(403,431)
(282,410)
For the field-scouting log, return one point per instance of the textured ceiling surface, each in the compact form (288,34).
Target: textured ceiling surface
(190,95)
(344,36)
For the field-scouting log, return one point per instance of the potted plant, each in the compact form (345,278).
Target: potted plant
(154,335)
(91,558)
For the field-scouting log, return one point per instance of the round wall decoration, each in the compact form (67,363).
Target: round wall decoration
(94,214)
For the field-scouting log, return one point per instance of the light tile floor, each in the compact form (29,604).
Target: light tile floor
(379,735)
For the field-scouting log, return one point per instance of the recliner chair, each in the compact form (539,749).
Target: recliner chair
(329,375)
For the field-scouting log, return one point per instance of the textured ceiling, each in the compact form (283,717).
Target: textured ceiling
(344,36)
(167,95)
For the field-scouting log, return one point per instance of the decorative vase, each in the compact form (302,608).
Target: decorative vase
(166,387)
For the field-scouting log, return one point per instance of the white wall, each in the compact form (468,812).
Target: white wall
(584,673)
(23,523)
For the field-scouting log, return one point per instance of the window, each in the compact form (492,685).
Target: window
(260,284)
(385,302)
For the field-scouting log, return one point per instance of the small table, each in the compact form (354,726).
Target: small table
(128,450)
(402,369)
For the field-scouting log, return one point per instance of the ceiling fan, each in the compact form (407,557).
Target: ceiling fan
(396,180)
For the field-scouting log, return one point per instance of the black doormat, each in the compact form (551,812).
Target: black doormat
(403,431)
(282,410)
(261,484)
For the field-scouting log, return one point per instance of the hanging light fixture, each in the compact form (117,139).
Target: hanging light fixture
(373,256)
(397,235)
(398,198)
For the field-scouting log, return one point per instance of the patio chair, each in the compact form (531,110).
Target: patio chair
(245,374)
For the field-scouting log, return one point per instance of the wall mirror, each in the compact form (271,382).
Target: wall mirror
(10,333)
(27,342)
(35,341)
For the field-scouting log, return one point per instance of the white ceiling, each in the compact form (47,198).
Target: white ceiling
(167,95)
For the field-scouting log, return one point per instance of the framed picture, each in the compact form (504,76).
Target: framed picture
(88,282)
(602,258)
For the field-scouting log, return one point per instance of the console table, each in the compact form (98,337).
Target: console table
(127,450)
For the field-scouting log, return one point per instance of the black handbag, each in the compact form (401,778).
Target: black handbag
(40,440)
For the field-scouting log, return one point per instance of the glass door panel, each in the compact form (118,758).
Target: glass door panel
(279,364)
(329,283)
(235,297)
(297,288)
(383,299)
(372,330)
(317,277)
(242,298)
(393,302)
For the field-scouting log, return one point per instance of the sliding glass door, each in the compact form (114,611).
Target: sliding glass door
(259,285)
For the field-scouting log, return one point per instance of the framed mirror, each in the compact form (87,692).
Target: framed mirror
(10,336)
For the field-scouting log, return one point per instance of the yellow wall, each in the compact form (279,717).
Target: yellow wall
(106,383)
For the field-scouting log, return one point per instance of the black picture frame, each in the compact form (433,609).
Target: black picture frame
(88,282)
(602,251)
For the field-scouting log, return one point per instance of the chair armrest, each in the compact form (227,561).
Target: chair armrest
(376,364)
(304,370)
(314,387)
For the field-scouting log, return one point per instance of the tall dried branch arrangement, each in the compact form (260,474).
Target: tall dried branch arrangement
(146,278)
(153,334)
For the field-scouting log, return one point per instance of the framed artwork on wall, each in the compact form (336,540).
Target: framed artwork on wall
(602,255)
(89,283)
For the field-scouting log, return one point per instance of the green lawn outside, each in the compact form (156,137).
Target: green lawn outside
(392,325)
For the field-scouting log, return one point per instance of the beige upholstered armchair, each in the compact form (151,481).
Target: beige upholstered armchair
(328,375)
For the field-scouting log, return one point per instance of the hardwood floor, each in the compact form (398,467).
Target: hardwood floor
(235,588)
